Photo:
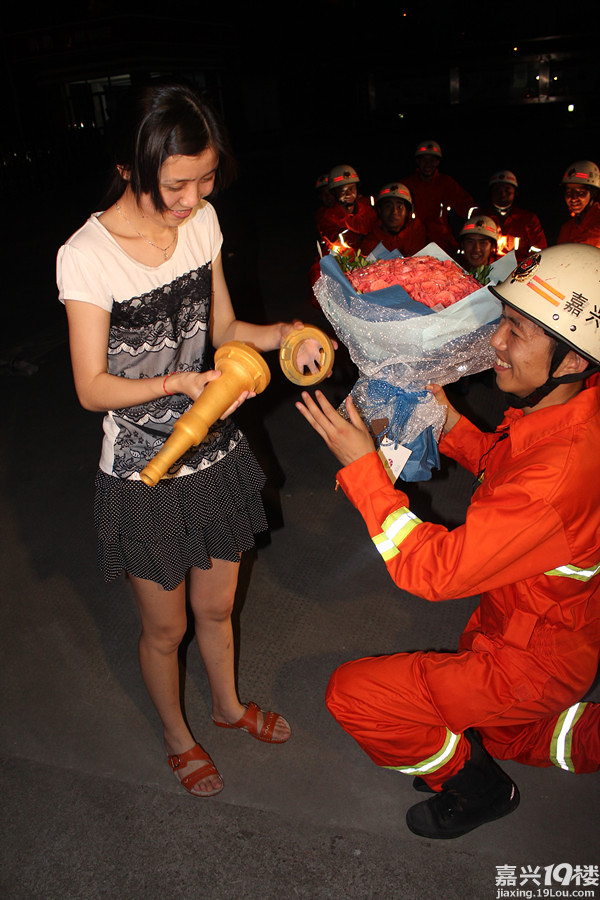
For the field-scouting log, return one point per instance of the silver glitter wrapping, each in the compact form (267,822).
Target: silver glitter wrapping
(409,351)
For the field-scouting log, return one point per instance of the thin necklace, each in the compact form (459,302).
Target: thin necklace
(163,250)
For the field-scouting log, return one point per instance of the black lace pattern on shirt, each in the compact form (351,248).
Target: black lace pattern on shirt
(162,331)
(169,313)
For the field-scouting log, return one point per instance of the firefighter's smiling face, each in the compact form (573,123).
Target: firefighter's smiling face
(477,250)
(577,198)
(427,164)
(346,195)
(393,213)
(503,195)
(523,354)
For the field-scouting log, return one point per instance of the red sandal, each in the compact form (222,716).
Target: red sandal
(178,760)
(249,724)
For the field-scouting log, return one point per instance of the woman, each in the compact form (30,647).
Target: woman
(145,294)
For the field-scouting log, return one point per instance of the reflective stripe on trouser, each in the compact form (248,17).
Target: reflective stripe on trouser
(405,709)
(569,740)
(394,530)
(384,705)
(435,762)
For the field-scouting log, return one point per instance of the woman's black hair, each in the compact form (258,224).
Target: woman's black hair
(160,119)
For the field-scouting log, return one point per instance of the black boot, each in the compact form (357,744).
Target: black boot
(479,793)
(421,785)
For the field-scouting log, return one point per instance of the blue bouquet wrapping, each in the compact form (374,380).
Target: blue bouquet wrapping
(400,345)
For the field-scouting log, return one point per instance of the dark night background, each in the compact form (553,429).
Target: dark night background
(301,88)
(90,808)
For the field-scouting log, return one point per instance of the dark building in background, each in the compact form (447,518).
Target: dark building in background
(296,80)
(63,80)
(301,89)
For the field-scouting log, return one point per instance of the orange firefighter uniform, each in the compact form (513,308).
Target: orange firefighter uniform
(432,200)
(335,220)
(409,240)
(530,547)
(583,229)
(522,224)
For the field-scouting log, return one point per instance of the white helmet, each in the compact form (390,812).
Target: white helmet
(395,189)
(322,181)
(341,175)
(483,225)
(584,171)
(429,147)
(559,288)
(505,176)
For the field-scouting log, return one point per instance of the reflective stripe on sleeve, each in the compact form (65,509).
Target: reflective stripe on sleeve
(575,572)
(435,762)
(394,530)
(562,737)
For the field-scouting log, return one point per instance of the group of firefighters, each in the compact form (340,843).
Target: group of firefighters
(517,687)
(406,215)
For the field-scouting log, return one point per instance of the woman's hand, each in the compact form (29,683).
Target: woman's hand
(190,383)
(308,354)
(347,440)
(452,414)
(245,395)
(194,383)
(285,328)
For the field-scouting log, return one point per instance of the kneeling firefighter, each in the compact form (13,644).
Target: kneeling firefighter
(529,547)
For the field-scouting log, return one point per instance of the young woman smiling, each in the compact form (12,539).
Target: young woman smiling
(146,298)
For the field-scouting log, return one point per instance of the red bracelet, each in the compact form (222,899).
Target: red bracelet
(165,391)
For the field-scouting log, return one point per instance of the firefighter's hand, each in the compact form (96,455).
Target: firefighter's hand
(452,414)
(348,441)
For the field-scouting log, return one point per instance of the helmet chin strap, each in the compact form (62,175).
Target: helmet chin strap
(551,382)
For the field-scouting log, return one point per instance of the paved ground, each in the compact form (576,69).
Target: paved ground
(89,806)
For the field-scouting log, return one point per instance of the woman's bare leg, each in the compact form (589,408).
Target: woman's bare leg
(164,622)
(212,594)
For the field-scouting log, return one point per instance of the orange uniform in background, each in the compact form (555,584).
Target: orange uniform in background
(336,220)
(530,547)
(522,224)
(583,229)
(410,240)
(431,201)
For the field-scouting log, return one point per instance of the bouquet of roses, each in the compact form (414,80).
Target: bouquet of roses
(437,283)
(408,322)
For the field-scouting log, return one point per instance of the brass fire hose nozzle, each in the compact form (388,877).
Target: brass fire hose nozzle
(242,369)
(288,355)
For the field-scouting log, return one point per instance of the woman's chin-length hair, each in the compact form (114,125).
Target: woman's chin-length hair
(160,119)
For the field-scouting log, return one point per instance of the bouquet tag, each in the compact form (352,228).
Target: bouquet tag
(394,458)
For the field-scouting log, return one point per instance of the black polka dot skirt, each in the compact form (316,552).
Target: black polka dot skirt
(159,532)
